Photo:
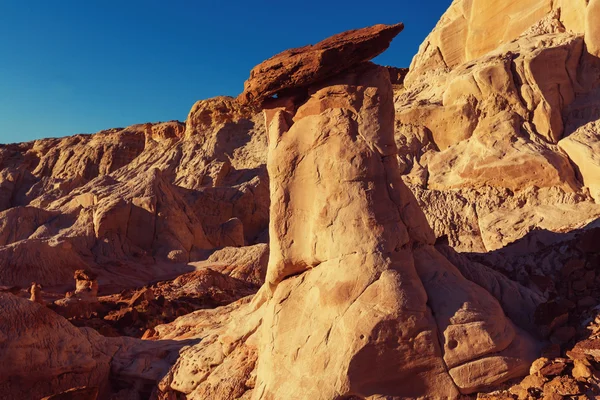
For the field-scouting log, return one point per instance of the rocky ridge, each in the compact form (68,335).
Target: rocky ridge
(124,202)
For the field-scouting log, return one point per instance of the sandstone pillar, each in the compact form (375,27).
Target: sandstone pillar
(352,270)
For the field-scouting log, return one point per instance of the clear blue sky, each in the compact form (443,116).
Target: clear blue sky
(81,66)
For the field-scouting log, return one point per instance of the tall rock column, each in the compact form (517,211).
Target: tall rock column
(352,270)
(357,302)
(348,313)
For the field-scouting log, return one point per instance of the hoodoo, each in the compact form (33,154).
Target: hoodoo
(339,231)
(353,276)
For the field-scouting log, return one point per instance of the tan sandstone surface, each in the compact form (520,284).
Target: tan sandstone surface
(495,122)
(396,318)
(128,197)
(341,230)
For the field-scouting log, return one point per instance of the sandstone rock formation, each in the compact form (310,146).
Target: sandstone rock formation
(567,268)
(367,183)
(141,197)
(83,302)
(228,275)
(495,122)
(360,240)
(86,284)
(396,318)
(36,294)
(43,354)
(471,28)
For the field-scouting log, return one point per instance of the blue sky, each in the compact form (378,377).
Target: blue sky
(81,66)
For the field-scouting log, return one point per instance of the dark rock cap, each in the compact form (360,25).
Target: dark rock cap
(300,67)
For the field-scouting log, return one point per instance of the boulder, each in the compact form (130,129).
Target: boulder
(86,284)
(300,67)
(43,354)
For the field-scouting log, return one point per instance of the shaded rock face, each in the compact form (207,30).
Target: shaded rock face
(33,338)
(86,283)
(83,302)
(45,355)
(36,294)
(298,68)
(496,124)
(137,197)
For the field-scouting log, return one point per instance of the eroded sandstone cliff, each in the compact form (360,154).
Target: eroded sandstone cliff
(357,301)
(366,185)
(148,198)
(495,121)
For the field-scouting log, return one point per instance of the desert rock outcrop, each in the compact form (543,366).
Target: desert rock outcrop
(471,28)
(142,197)
(43,353)
(395,319)
(502,122)
(367,184)
(360,240)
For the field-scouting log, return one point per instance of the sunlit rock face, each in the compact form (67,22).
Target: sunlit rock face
(364,185)
(348,240)
(496,121)
(150,197)
(352,262)
(470,29)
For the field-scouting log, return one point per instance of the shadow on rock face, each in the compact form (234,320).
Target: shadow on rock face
(34,338)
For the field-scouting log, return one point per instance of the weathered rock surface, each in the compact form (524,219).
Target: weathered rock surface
(569,366)
(472,28)
(247,263)
(142,197)
(499,132)
(44,354)
(228,275)
(494,129)
(395,318)
(298,68)
(83,302)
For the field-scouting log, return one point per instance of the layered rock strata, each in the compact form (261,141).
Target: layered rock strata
(134,204)
(496,122)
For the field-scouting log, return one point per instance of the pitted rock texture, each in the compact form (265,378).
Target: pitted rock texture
(298,68)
